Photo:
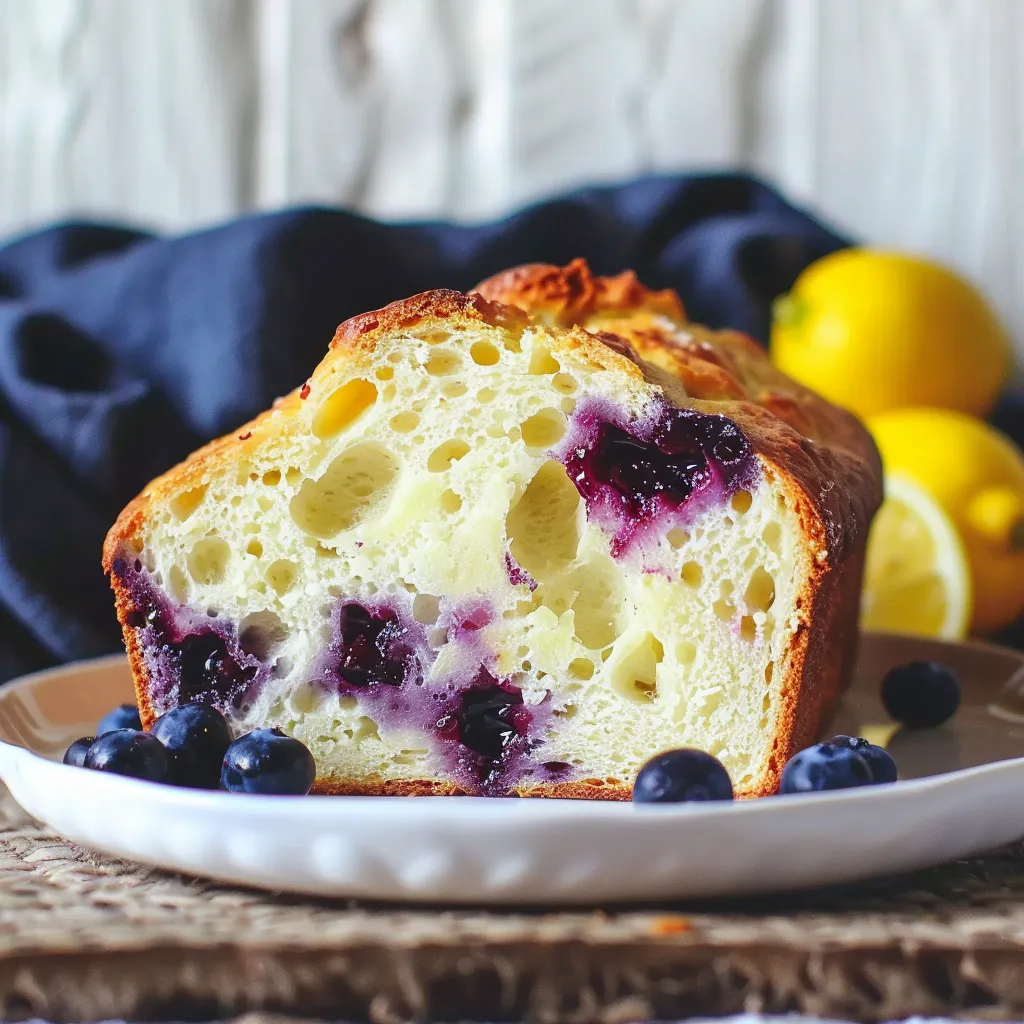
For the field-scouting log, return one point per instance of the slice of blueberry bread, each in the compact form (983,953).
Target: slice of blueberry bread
(493,547)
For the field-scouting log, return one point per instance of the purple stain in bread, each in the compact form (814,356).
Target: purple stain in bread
(188,658)
(517,575)
(641,476)
(478,727)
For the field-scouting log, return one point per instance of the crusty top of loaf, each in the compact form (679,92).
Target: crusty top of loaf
(613,323)
(825,448)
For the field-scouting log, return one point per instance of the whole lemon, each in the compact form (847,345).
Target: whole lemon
(874,330)
(977,476)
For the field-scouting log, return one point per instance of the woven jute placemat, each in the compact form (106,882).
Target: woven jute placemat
(85,937)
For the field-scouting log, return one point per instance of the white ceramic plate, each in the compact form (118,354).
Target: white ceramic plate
(964,795)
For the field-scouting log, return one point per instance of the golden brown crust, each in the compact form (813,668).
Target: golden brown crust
(823,458)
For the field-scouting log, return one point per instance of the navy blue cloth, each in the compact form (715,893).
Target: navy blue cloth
(121,351)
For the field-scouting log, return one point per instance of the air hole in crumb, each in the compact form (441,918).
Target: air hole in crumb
(454,389)
(178,584)
(543,429)
(264,503)
(426,608)
(725,588)
(543,526)
(564,382)
(186,503)
(343,407)
(366,729)
(292,476)
(483,353)
(254,548)
(485,395)
(748,628)
(442,363)
(772,536)
(569,711)
(260,633)
(724,610)
(635,677)
(692,573)
(281,575)
(450,501)
(405,422)
(581,668)
(677,538)
(303,699)
(597,605)
(385,372)
(442,457)
(355,481)
(208,560)
(272,477)
(347,702)
(741,501)
(760,592)
(568,406)
(686,653)
(769,671)
(766,703)
(542,362)
(323,551)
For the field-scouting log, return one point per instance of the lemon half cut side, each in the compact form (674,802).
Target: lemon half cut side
(917,578)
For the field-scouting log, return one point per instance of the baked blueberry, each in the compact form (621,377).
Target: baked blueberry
(682,775)
(921,694)
(129,752)
(880,761)
(825,766)
(125,716)
(268,761)
(196,738)
(75,754)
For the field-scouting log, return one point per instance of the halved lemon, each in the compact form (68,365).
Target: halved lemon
(917,579)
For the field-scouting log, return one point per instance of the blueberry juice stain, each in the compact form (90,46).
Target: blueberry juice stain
(478,726)
(640,478)
(189,657)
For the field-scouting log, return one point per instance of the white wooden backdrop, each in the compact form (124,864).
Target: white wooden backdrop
(900,120)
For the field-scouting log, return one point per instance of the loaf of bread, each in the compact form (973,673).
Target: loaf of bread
(514,542)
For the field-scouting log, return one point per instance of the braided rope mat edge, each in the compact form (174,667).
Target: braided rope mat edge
(87,937)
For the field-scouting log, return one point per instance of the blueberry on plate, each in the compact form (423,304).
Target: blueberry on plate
(825,766)
(921,694)
(125,716)
(880,761)
(267,761)
(129,752)
(196,738)
(75,754)
(682,775)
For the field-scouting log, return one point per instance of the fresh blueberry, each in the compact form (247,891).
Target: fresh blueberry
(196,738)
(825,766)
(75,754)
(883,767)
(125,716)
(267,761)
(128,752)
(682,775)
(921,694)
